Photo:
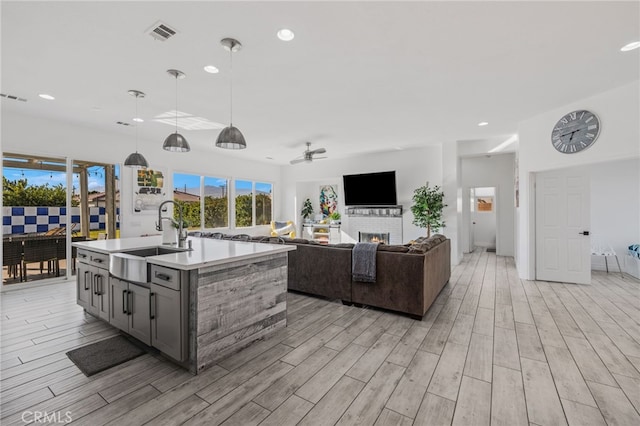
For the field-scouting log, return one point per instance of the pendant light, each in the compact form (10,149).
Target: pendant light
(136,160)
(231,137)
(175,142)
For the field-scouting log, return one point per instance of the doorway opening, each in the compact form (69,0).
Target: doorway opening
(482,218)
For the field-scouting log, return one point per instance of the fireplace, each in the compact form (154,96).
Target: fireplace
(373,237)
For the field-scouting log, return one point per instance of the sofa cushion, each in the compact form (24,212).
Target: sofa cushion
(393,248)
(342,245)
(427,244)
(296,241)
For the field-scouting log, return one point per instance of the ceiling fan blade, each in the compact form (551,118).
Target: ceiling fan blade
(318,151)
(296,161)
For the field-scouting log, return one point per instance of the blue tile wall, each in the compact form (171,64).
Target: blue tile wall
(20,220)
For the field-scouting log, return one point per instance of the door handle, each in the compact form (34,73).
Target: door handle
(583,233)
(152,305)
(86,287)
(124,302)
(130,302)
(94,285)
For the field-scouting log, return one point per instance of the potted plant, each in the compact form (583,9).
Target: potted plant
(307,210)
(427,208)
(334,217)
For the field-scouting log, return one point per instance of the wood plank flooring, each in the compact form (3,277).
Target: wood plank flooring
(493,349)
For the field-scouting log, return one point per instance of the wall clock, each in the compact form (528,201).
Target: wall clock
(576,131)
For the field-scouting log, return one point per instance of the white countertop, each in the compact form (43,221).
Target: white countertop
(206,251)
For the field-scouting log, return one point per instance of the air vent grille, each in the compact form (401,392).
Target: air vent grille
(122,123)
(161,31)
(13,97)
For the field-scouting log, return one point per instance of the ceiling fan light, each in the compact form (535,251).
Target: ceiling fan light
(231,138)
(136,160)
(175,142)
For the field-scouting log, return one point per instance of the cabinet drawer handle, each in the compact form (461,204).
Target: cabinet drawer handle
(98,260)
(86,286)
(99,285)
(163,277)
(94,284)
(152,306)
(124,302)
(130,303)
(82,255)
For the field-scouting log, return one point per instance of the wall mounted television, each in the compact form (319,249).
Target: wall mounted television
(370,189)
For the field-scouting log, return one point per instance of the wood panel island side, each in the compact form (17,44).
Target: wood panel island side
(196,306)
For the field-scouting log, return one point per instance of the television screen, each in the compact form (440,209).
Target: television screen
(370,189)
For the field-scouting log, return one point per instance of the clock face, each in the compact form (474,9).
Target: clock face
(575,132)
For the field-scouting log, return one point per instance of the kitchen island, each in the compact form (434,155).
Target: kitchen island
(196,306)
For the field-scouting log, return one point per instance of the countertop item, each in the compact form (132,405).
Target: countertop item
(206,251)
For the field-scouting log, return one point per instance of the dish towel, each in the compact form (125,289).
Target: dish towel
(363,262)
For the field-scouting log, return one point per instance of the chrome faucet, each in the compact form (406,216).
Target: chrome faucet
(182,233)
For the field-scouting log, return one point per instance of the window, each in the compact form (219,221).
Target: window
(204,199)
(216,202)
(244,203)
(186,193)
(263,203)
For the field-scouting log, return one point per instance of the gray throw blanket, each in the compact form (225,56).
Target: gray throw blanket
(363,262)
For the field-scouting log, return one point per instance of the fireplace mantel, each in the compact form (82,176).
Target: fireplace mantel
(366,211)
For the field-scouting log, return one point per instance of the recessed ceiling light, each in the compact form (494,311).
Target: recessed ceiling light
(269,158)
(630,46)
(211,69)
(482,123)
(286,34)
(138,120)
(47,97)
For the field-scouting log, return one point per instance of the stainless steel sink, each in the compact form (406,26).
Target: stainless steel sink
(131,265)
(154,251)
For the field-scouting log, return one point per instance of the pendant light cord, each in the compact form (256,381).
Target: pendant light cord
(176,103)
(136,122)
(231,86)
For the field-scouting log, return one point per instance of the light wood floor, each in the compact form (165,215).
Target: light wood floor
(492,350)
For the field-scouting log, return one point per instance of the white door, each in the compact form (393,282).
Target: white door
(562,227)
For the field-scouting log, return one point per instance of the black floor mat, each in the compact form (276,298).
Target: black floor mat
(99,356)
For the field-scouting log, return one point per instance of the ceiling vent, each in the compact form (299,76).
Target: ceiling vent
(122,123)
(161,31)
(13,97)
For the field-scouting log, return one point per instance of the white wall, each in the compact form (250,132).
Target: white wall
(38,136)
(615,208)
(619,139)
(494,171)
(413,169)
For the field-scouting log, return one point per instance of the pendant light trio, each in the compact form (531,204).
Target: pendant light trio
(229,138)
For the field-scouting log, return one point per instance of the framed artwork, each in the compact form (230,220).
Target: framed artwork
(328,199)
(149,190)
(484,204)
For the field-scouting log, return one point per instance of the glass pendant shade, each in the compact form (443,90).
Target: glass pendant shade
(231,138)
(175,142)
(136,160)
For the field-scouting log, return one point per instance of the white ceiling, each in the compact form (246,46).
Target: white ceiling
(358,77)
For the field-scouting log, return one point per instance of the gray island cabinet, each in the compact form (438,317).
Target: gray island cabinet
(195,306)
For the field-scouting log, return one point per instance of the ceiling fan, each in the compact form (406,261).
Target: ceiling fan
(308,155)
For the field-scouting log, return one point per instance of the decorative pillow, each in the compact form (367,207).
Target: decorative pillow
(278,225)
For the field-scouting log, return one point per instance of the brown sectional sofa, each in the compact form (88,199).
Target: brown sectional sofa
(408,277)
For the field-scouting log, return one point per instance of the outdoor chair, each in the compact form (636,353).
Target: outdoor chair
(12,257)
(41,250)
